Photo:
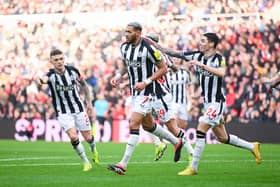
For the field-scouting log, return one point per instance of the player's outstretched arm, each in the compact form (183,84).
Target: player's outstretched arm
(171,52)
(177,54)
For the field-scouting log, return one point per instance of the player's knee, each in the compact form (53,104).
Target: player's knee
(150,129)
(222,139)
(146,128)
(134,124)
(73,137)
(75,142)
(88,138)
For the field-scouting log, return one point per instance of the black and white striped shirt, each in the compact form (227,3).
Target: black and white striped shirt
(178,82)
(211,84)
(64,90)
(141,61)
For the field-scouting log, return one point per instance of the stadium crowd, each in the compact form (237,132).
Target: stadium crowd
(251,49)
(161,7)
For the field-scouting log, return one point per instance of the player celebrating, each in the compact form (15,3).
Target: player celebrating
(144,66)
(63,82)
(176,108)
(212,67)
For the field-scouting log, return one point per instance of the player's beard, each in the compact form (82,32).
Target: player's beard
(133,39)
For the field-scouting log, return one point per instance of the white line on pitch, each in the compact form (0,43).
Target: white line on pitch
(133,162)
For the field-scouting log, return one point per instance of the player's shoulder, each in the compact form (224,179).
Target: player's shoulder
(219,56)
(221,59)
(50,72)
(151,47)
(72,68)
(147,42)
(124,44)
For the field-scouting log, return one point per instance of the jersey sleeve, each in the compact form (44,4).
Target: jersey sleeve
(192,55)
(220,61)
(223,62)
(156,55)
(122,49)
(153,53)
(77,73)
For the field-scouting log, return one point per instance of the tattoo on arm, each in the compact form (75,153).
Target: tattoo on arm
(86,90)
(123,68)
(174,53)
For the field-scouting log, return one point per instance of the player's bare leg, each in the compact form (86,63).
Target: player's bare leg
(234,140)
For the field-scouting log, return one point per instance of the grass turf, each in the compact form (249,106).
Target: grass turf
(55,164)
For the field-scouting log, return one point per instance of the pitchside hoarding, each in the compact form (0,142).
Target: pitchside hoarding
(118,131)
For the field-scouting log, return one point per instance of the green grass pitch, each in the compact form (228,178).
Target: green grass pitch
(56,164)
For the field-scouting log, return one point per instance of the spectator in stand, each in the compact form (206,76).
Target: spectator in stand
(255,42)
(101,108)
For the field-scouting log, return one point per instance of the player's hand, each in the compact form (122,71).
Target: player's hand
(43,79)
(140,86)
(115,82)
(121,88)
(190,106)
(196,63)
(122,85)
(174,68)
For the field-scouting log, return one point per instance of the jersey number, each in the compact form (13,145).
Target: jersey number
(161,113)
(211,113)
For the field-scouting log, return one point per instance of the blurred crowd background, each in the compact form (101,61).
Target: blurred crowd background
(250,33)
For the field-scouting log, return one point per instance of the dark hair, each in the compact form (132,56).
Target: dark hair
(153,37)
(135,25)
(55,52)
(212,37)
